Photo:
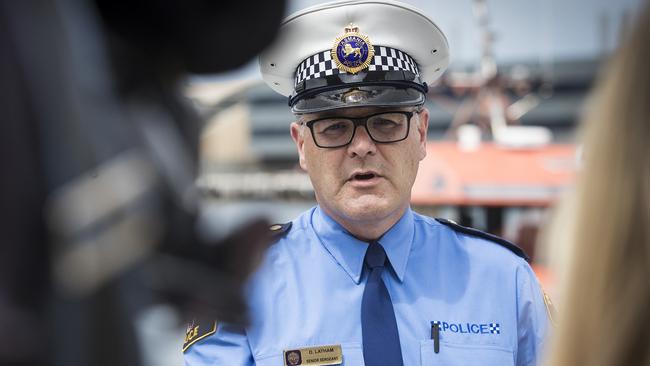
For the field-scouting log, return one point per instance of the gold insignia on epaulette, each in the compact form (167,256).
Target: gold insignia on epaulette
(197,331)
(550,309)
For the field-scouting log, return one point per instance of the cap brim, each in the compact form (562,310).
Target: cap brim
(361,96)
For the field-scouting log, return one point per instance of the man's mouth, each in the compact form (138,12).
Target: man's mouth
(364,176)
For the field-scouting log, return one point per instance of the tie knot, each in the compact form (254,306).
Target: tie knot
(375,255)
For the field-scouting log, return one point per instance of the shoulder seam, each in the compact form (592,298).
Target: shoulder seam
(486,236)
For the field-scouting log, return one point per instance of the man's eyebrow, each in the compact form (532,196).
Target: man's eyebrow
(337,113)
(302,118)
(333,113)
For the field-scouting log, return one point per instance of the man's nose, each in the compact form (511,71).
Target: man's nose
(361,144)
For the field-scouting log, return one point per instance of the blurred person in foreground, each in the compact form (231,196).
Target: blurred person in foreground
(604,226)
(98,157)
(361,279)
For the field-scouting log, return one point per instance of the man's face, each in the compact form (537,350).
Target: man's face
(365,180)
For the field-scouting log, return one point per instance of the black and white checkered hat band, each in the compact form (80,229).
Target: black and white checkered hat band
(385,59)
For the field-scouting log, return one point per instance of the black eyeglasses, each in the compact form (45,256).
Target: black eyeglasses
(384,127)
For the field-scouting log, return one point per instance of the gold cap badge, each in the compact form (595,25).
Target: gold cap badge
(352,52)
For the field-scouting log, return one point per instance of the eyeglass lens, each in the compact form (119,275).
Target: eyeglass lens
(338,131)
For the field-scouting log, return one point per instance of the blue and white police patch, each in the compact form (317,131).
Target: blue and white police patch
(352,52)
(468,328)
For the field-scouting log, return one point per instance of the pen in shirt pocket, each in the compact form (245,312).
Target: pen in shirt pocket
(435,335)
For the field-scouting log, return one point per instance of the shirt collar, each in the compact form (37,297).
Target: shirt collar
(349,251)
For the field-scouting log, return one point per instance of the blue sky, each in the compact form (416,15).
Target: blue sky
(526,30)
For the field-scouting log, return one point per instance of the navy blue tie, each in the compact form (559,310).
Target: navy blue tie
(378,325)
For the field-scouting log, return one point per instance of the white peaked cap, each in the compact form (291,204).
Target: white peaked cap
(390,24)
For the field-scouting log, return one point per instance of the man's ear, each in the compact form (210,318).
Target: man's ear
(423,127)
(297,134)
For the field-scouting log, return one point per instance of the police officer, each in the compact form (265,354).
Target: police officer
(361,279)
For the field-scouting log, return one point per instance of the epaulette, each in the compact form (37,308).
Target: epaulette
(481,234)
(198,330)
(279,230)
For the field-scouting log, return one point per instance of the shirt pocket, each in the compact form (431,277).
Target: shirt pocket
(452,354)
(352,356)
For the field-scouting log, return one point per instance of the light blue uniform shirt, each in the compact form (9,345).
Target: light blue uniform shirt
(308,293)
